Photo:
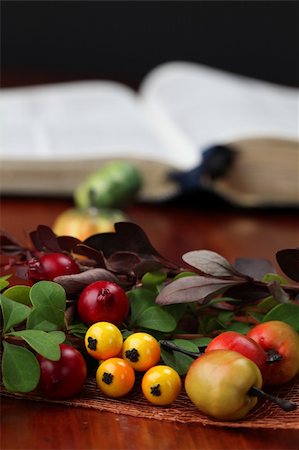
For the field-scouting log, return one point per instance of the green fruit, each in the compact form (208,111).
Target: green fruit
(113,186)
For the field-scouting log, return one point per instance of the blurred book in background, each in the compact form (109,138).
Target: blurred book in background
(53,136)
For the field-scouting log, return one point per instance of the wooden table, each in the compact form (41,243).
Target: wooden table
(173,230)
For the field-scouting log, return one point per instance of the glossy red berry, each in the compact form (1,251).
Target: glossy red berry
(103,301)
(63,378)
(50,266)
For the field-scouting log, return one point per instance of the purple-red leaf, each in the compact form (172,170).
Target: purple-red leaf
(10,246)
(123,262)
(193,289)
(91,253)
(288,261)
(250,292)
(128,237)
(43,238)
(254,268)
(149,265)
(68,243)
(76,283)
(211,263)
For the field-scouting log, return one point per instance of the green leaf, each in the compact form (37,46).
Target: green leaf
(256,315)
(212,325)
(13,313)
(185,274)
(36,321)
(78,329)
(49,299)
(19,293)
(225,318)
(266,304)
(3,282)
(140,300)
(177,361)
(201,341)
(46,344)
(155,318)
(125,333)
(286,312)
(145,313)
(177,311)
(185,344)
(58,337)
(239,327)
(20,368)
(152,279)
(269,277)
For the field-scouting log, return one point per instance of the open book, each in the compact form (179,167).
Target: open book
(52,136)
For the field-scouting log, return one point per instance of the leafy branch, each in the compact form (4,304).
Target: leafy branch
(217,276)
(184,305)
(33,322)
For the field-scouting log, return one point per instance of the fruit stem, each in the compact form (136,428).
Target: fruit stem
(172,346)
(286,405)
(105,296)
(273,356)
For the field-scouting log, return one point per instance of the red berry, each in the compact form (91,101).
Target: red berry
(63,378)
(50,266)
(103,301)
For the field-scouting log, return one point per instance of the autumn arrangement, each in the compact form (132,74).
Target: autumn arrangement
(112,308)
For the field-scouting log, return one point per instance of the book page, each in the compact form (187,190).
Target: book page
(76,121)
(54,136)
(207,106)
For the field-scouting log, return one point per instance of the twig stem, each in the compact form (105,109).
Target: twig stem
(286,405)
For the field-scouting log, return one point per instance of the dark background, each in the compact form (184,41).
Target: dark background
(45,41)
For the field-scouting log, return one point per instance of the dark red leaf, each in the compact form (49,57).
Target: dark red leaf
(74,284)
(128,237)
(10,246)
(248,292)
(288,261)
(123,262)
(254,268)
(193,289)
(44,239)
(212,264)
(68,243)
(149,265)
(91,253)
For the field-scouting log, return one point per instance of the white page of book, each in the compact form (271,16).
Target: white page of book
(78,121)
(209,106)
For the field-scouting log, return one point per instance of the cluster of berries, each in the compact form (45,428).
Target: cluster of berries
(119,361)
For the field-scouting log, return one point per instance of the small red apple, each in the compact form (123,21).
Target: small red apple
(282,338)
(231,340)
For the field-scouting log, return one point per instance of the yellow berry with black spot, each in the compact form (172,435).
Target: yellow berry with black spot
(103,340)
(141,350)
(115,377)
(161,385)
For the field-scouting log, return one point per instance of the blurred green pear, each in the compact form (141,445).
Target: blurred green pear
(114,185)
